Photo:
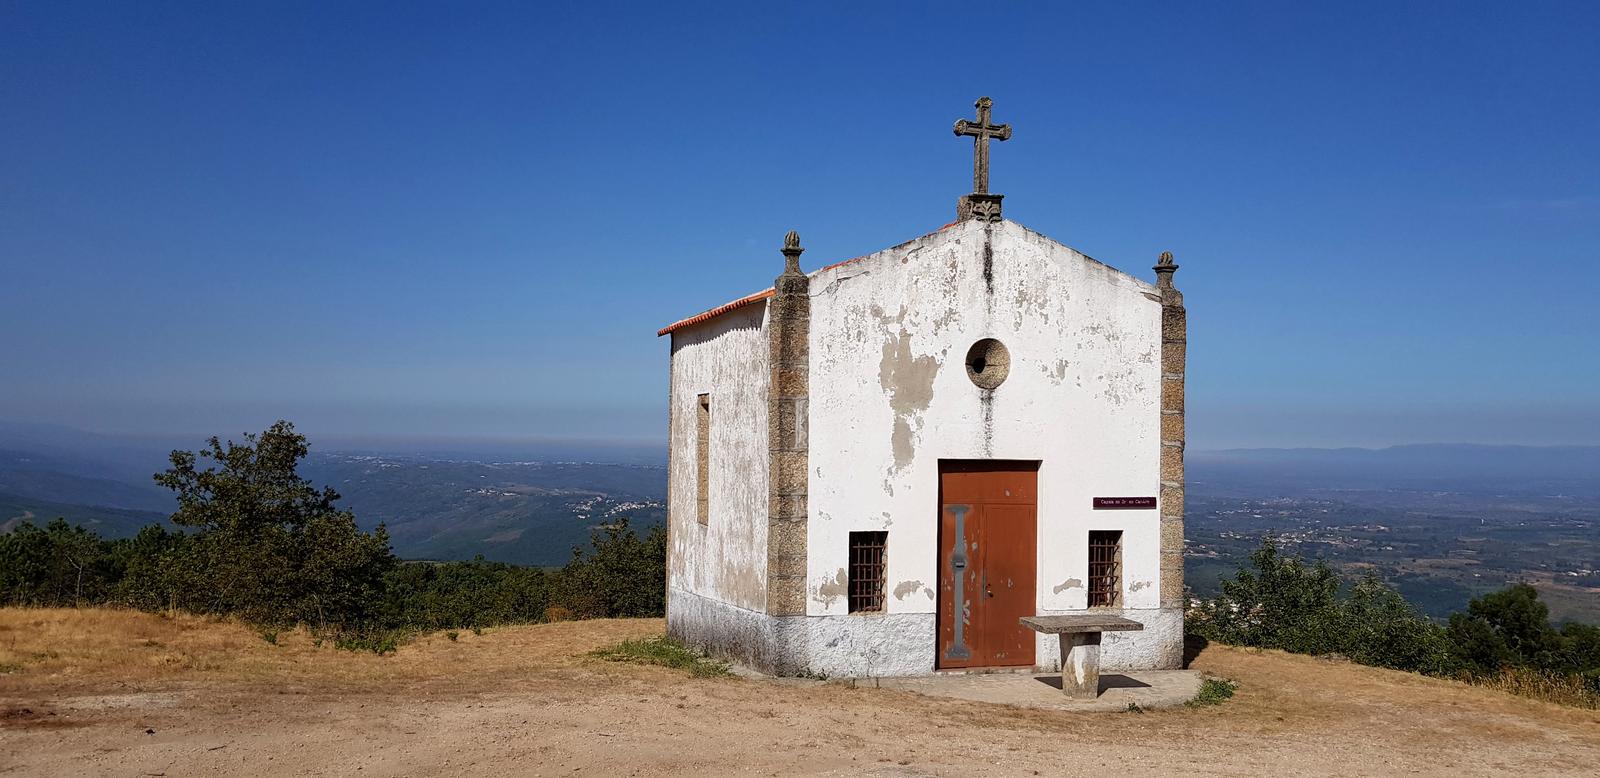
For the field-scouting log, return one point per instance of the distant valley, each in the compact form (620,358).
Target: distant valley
(435,505)
(1441,523)
(524,512)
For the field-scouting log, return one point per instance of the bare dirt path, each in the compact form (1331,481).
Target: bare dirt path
(101,693)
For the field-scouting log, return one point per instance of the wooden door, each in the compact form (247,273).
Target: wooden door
(987,562)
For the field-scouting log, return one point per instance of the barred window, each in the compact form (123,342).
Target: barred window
(1105,568)
(867,571)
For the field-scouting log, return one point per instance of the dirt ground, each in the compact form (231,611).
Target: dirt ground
(129,694)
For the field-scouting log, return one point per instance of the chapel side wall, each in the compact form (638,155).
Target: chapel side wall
(890,398)
(722,561)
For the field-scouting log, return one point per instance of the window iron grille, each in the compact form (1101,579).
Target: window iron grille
(1105,568)
(867,571)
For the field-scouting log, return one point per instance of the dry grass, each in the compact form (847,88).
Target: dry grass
(66,646)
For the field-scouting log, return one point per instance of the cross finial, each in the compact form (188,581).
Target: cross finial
(981,131)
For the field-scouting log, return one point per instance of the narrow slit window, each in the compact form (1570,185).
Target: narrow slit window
(702,459)
(867,571)
(1105,568)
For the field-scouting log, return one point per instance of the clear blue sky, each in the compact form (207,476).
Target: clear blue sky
(469,219)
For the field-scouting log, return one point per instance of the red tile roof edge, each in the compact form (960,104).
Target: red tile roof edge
(715,312)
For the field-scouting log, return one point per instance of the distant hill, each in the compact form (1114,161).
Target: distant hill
(1455,467)
(52,479)
(108,522)
(525,503)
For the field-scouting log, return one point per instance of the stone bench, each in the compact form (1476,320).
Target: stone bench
(1080,647)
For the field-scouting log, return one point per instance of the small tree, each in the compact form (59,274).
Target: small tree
(1383,630)
(270,546)
(623,576)
(1508,628)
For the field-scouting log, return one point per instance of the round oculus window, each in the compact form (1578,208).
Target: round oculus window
(988,363)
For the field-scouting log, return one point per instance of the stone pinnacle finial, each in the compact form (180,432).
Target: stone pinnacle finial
(791,253)
(1164,268)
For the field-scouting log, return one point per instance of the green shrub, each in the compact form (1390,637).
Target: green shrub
(1213,691)
(59,565)
(1509,628)
(621,576)
(1282,602)
(462,595)
(378,641)
(1503,640)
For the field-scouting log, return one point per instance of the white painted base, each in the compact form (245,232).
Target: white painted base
(886,645)
(724,631)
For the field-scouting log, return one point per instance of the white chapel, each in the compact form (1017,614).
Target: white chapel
(880,467)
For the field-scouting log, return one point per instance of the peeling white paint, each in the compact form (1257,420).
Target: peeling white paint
(726,558)
(1081,398)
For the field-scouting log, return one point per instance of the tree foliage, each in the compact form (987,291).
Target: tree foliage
(475,594)
(623,576)
(1511,629)
(1282,602)
(57,565)
(268,545)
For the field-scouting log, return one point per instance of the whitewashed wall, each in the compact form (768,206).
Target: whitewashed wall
(890,398)
(725,558)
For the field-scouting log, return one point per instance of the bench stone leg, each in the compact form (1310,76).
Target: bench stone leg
(1080,665)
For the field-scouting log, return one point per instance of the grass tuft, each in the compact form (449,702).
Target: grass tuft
(663,651)
(379,642)
(1213,692)
(1570,690)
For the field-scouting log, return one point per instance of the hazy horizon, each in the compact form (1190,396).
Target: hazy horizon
(68,436)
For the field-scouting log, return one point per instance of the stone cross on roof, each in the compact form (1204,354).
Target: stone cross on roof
(981,131)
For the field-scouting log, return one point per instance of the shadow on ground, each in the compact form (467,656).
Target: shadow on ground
(1113,681)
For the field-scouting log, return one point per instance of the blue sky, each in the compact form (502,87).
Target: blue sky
(414,220)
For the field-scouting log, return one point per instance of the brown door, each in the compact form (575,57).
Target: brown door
(987,562)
